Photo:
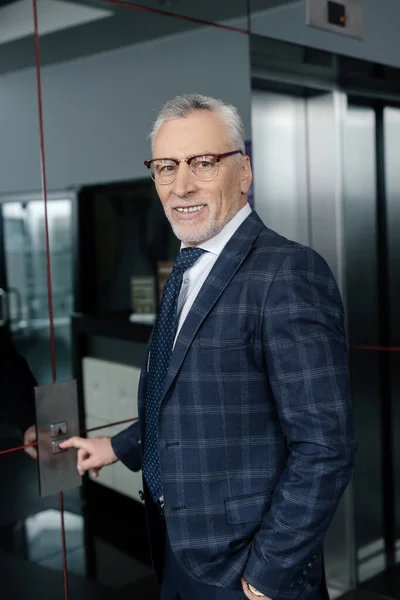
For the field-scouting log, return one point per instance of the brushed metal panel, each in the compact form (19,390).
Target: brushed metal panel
(56,404)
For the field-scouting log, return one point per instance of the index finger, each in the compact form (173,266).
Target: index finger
(75,442)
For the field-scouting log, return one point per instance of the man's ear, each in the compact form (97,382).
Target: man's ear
(246,175)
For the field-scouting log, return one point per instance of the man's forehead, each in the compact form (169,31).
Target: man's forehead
(188,137)
(194,147)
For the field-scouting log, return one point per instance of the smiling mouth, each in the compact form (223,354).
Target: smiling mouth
(189,209)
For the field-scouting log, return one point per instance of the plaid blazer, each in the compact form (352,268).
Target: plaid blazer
(255,430)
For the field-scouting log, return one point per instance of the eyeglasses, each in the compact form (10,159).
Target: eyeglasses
(203,166)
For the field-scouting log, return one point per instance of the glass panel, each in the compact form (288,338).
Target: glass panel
(29,536)
(25,258)
(29,526)
(30,532)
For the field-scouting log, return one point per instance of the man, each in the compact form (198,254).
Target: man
(243,408)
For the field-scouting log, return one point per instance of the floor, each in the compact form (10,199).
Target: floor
(21,579)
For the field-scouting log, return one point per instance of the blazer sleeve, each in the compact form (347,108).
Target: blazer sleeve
(127,447)
(306,360)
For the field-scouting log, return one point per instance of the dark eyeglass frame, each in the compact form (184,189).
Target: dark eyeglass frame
(217,157)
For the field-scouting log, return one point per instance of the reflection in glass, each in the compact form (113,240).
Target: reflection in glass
(42,532)
(26,267)
(30,531)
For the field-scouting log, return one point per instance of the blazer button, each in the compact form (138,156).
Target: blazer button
(141,495)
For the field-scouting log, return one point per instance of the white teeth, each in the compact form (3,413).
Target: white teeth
(190,209)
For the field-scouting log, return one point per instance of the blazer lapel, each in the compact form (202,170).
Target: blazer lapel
(222,272)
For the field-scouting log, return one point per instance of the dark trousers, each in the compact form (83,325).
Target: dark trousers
(178,585)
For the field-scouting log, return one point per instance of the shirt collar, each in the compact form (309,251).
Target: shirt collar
(216,244)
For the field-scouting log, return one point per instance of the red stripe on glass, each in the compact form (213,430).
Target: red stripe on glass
(165,13)
(44,187)
(48,262)
(375,348)
(34,444)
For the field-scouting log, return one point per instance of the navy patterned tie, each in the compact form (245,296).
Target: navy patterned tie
(160,355)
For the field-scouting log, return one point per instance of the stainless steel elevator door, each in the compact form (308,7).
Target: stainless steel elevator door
(361,282)
(297,163)
(280,163)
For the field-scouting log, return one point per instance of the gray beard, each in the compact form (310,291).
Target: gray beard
(209,232)
(197,237)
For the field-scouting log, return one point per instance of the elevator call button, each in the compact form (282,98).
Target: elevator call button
(59,429)
(55,446)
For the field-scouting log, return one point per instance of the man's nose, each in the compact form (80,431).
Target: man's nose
(184,182)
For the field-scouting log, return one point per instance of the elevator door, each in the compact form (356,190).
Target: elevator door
(391,155)
(297,192)
(362,307)
(371,138)
(391,128)
(279,130)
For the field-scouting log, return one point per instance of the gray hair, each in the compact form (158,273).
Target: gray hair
(182,106)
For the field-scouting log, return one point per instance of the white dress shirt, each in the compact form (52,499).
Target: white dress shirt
(194,277)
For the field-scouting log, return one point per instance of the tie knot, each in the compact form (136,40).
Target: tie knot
(187,257)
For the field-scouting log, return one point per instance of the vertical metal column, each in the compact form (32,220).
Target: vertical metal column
(384,304)
(325,115)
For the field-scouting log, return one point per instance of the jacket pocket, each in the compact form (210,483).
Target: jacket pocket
(247,509)
(221,343)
